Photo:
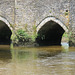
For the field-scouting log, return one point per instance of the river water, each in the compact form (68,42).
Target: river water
(49,60)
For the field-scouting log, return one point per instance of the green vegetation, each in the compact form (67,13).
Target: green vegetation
(66,13)
(50,11)
(21,37)
(34,33)
(65,35)
(26,27)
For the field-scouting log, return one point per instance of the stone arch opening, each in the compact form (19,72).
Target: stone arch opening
(5,32)
(50,32)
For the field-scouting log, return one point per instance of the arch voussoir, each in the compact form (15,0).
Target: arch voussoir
(6,22)
(52,19)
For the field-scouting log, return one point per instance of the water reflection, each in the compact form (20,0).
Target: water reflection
(51,60)
(33,61)
(38,52)
(44,52)
(5,53)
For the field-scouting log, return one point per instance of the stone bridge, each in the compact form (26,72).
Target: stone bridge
(52,19)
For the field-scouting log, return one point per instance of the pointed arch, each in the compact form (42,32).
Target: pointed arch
(52,19)
(6,22)
(5,32)
(50,31)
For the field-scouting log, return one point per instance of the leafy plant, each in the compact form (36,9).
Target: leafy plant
(22,36)
(65,35)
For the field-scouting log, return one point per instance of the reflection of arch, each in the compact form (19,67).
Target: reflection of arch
(50,32)
(52,19)
(5,31)
(6,22)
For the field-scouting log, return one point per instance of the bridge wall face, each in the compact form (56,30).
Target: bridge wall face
(72,23)
(27,13)
(31,12)
(7,10)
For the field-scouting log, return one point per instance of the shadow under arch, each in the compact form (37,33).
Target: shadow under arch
(50,32)
(5,32)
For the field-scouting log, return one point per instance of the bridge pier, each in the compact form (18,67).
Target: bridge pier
(72,39)
(72,24)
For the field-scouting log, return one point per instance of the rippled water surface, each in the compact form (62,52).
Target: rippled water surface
(51,60)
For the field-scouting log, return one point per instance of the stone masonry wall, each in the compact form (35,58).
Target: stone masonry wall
(72,23)
(27,13)
(31,12)
(7,10)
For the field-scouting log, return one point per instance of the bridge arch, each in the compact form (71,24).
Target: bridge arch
(52,19)
(50,31)
(5,32)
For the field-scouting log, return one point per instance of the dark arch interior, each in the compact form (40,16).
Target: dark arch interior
(50,34)
(5,34)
